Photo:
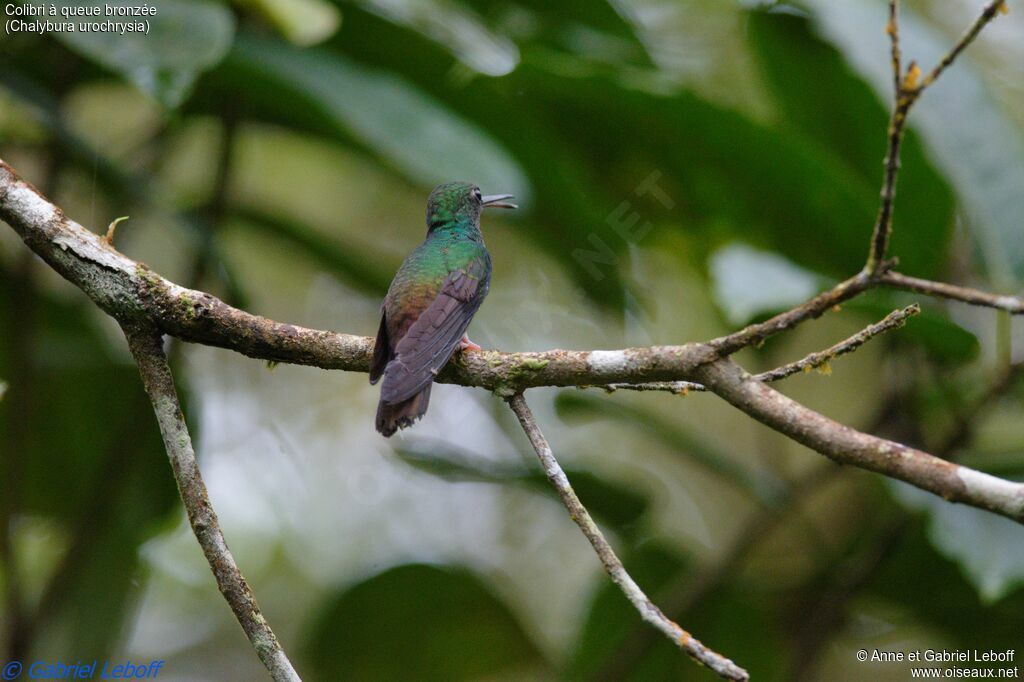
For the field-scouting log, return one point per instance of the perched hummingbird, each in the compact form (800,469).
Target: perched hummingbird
(430,303)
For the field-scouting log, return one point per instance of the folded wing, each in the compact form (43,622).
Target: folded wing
(430,341)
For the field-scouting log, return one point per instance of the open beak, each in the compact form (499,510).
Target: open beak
(497,201)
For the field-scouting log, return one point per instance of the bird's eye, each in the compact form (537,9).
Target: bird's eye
(478,195)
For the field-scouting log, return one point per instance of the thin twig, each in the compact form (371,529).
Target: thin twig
(893,29)
(988,14)
(754,334)
(820,359)
(1011,304)
(683,598)
(883,223)
(147,349)
(648,611)
(893,320)
(674,387)
(907,92)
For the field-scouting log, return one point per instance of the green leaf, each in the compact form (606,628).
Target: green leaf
(722,172)
(971,139)
(392,118)
(420,622)
(819,96)
(480,37)
(184,38)
(988,548)
(566,23)
(565,211)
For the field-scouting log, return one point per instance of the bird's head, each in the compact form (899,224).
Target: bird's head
(461,203)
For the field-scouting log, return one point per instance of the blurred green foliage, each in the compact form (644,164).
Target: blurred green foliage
(387,626)
(571,107)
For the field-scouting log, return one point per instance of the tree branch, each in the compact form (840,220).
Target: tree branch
(987,15)
(1011,304)
(814,308)
(147,305)
(893,320)
(893,29)
(612,565)
(147,348)
(849,446)
(135,295)
(907,91)
(130,291)
(897,125)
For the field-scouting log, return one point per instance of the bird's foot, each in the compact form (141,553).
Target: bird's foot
(465,344)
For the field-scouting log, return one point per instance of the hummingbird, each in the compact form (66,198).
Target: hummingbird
(431,302)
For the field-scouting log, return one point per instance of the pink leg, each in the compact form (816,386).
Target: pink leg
(466,344)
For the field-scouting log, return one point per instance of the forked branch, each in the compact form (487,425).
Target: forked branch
(136,295)
(148,305)
(907,89)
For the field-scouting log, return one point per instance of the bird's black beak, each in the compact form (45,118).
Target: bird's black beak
(497,201)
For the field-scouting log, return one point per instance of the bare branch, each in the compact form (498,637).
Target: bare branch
(908,90)
(883,223)
(648,611)
(849,446)
(812,309)
(987,15)
(148,305)
(131,292)
(893,320)
(893,29)
(147,349)
(1011,304)
(674,387)
(684,598)
(135,295)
